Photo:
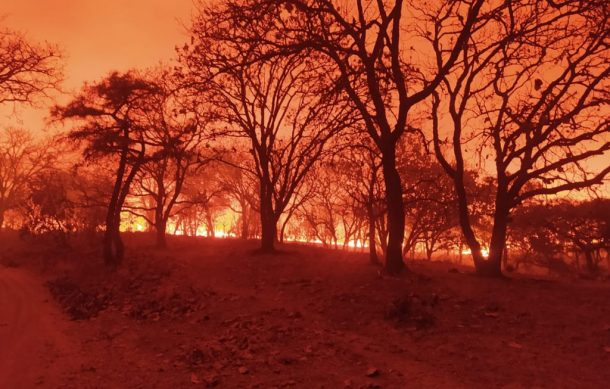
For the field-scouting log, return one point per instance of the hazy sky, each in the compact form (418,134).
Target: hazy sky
(99,36)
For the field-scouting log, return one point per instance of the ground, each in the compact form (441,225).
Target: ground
(212,313)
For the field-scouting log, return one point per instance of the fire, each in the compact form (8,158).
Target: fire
(484,252)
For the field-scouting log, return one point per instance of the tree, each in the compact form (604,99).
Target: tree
(364,42)
(178,128)
(282,106)
(48,208)
(535,100)
(430,211)
(27,70)
(21,159)
(242,191)
(544,233)
(360,167)
(109,118)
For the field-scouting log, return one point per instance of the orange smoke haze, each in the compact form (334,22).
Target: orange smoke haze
(97,37)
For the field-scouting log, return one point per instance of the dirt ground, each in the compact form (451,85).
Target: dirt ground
(211,313)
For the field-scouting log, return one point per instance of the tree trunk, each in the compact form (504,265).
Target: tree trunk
(371,219)
(492,267)
(118,244)
(161,227)
(464,219)
(591,265)
(396,215)
(244,225)
(112,245)
(269,232)
(108,246)
(1,218)
(268,222)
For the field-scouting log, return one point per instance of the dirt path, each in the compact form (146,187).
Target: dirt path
(31,325)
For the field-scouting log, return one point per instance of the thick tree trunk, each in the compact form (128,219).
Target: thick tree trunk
(492,267)
(161,227)
(112,244)
(396,215)
(269,232)
(268,221)
(1,218)
(108,242)
(107,248)
(461,253)
(464,219)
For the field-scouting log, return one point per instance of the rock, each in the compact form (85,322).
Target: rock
(372,372)
(211,380)
(194,379)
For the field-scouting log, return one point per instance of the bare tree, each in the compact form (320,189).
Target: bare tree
(242,190)
(21,159)
(360,166)
(533,102)
(179,129)
(364,42)
(282,106)
(27,70)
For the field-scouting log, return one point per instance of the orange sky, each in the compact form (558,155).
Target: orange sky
(98,36)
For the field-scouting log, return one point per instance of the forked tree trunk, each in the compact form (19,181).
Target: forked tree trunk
(396,215)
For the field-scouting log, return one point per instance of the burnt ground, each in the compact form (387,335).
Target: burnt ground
(211,313)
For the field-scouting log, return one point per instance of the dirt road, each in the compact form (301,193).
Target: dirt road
(33,334)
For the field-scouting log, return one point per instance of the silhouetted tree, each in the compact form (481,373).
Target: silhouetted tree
(28,70)
(21,159)
(178,127)
(109,117)
(281,105)
(242,190)
(530,103)
(360,168)
(364,42)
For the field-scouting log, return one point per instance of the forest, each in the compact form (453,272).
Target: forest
(387,147)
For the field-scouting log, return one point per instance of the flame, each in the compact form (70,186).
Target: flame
(484,252)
